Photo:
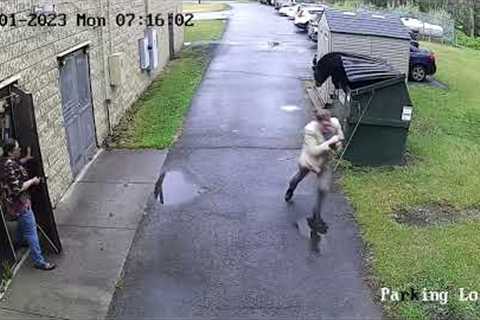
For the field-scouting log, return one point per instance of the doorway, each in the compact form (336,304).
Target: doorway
(17,121)
(77,108)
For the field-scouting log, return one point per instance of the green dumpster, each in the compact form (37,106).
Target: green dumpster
(377,123)
(373,105)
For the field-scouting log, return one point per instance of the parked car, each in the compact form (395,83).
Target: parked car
(293,11)
(283,3)
(432,30)
(292,14)
(412,23)
(305,15)
(289,11)
(286,10)
(312,29)
(423,28)
(422,63)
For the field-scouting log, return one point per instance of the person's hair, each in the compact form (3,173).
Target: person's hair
(322,114)
(8,146)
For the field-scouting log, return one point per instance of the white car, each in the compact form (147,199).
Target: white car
(293,11)
(305,15)
(285,11)
(432,30)
(412,24)
(423,28)
(283,3)
(312,29)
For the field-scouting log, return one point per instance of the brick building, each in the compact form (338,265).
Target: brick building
(81,78)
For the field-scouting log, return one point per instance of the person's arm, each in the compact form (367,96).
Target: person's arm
(27,184)
(318,149)
(28,157)
(338,127)
(341,137)
(14,181)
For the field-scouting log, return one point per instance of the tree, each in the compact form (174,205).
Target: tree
(465,12)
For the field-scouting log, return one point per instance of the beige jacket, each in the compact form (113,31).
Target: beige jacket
(315,152)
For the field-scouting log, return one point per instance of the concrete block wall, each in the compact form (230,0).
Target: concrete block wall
(30,53)
(126,40)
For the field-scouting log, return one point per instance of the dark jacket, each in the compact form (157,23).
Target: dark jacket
(12,177)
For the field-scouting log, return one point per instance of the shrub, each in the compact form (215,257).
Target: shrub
(466,41)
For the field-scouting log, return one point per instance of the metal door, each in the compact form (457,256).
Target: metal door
(25,132)
(77,109)
(7,251)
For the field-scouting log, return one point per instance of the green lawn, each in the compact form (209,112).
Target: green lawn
(204,7)
(157,117)
(445,142)
(205,30)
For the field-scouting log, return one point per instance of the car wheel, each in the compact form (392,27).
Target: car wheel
(418,73)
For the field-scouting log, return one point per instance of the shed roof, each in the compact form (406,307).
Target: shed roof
(366,23)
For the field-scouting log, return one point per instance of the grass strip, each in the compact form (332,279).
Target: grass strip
(155,120)
(205,7)
(444,140)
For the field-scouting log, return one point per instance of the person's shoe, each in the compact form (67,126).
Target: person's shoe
(47,266)
(288,195)
(317,226)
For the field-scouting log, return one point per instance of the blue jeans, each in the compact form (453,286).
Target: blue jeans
(27,232)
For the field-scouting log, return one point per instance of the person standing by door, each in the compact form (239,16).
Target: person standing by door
(15,187)
(322,137)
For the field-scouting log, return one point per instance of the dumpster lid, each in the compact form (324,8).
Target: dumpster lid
(353,70)
(364,68)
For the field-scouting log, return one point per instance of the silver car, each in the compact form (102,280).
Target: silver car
(312,30)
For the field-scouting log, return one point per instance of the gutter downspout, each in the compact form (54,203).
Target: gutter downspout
(106,83)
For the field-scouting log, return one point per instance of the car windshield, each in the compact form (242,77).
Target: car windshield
(318,17)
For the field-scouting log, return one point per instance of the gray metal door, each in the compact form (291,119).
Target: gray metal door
(77,109)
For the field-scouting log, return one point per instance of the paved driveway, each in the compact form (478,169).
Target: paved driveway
(224,245)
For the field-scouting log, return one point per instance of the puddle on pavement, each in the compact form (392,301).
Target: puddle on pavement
(290,108)
(172,188)
(318,239)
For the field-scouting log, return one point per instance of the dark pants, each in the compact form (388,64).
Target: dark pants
(322,188)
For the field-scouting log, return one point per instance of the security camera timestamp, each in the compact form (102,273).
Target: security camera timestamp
(85,20)
(154,20)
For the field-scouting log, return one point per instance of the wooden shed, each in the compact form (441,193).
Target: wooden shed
(377,35)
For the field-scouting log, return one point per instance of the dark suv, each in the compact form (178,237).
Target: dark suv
(422,63)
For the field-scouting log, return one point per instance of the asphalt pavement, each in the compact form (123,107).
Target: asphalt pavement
(97,221)
(221,243)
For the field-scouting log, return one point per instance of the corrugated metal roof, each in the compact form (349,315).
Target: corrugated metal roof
(352,70)
(366,23)
(364,68)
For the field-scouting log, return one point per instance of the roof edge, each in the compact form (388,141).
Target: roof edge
(370,35)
